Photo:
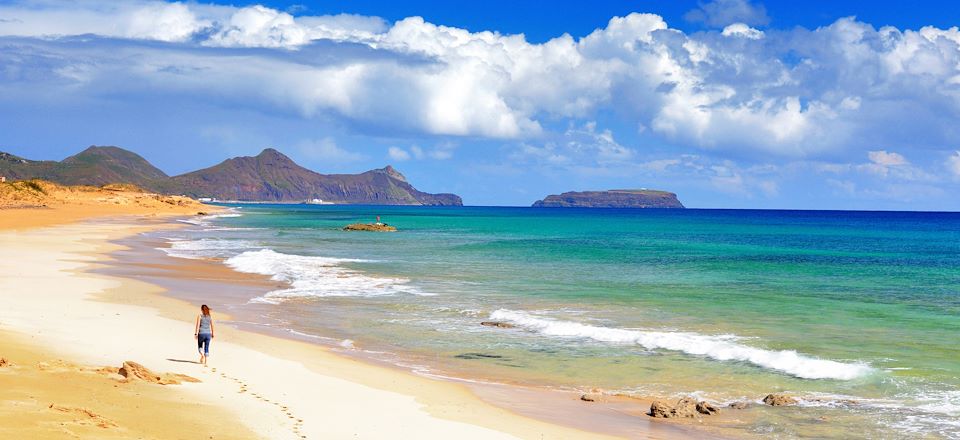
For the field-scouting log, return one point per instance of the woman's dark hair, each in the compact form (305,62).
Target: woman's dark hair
(205,310)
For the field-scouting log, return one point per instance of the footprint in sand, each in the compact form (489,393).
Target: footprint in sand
(298,425)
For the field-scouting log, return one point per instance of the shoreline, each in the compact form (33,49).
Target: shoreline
(350,388)
(612,415)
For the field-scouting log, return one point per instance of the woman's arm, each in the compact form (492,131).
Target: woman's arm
(211,327)
(196,327)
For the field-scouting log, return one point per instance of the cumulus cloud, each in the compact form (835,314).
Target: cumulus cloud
(326,150)
(742,30)
(888,164)
(886,159)
(443,151)
(790,93)
(719,13)
(881,164)
(578,146)
(398,154)
(953,164)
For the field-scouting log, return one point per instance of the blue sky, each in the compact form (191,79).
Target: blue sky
(729,103)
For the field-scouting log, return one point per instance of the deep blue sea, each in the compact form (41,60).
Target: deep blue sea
(855,313)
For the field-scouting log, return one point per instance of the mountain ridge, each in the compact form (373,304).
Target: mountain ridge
(269,176)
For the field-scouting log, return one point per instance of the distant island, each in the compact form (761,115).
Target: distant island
(267,177)
(614,198)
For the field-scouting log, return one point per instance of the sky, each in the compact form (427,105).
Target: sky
(728,103)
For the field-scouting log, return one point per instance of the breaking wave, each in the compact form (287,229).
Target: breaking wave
(311,276)
(721,348)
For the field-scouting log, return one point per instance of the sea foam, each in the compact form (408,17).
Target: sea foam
(204,220)
(313,276)
(722,348)
(206,248)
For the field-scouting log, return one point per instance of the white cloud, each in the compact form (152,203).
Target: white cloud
(397,153)
(718,13)
(881,164)
(417,151)
(884,158)
(742,30)
(443,151)
(887,164)
(327,150)
(953,164)
(846,86)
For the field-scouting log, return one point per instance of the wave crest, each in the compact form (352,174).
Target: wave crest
(722,348)
(311,276)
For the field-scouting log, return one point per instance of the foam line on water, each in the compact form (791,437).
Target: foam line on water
(204,220)
(722,348)
(206,248)
(313,276)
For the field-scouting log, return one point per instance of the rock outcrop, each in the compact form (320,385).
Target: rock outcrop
(686,407)
(779,400)
(707,409)
(134,371)
(616,198)
(372,227)
(661,410)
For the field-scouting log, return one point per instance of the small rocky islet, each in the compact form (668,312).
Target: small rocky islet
(614,198)
(371,227)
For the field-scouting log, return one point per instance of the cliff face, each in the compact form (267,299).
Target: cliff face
(269,176)
(616,198)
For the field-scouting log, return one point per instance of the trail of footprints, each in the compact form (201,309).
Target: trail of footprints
(298,423)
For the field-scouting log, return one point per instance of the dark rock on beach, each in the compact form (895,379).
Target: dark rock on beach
(685,408)
(739,405)
(779,400)
(478,356)
(660,410)
(707,409)
(497,324)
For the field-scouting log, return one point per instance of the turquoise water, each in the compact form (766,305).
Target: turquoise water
(729,305)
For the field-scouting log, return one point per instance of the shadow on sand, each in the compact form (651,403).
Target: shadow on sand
(184,361)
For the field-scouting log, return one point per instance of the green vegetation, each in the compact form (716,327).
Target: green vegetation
(32,185)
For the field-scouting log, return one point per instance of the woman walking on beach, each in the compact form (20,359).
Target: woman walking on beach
(203,333)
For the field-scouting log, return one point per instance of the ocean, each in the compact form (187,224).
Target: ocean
(855,313)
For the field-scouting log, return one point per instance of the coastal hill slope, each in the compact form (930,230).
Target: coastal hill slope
(272,176)
(94,166)
(615,198)
(267,177)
